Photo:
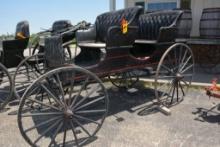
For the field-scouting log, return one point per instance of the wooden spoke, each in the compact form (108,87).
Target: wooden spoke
(44,104)
(81,126)
(52,95)
(64,133)
(79,93)
(87,119)
(90,103)
(46,131)
(74,133)
(55,134)
(90,111)
(183,70)
(187,68)
(82,100)
(42,114)
(58,118)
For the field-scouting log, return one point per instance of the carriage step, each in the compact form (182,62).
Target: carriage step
(164,109)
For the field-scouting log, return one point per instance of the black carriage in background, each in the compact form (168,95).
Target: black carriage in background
(68,104)
(33,66)
(28,69)
(11,55)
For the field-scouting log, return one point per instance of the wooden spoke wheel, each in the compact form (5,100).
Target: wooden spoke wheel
(174,74)
(125,79)
(27,71)
(64,107)
(6,86)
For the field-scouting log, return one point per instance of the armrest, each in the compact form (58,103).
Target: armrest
(115,38)
(86,35)
(167,34)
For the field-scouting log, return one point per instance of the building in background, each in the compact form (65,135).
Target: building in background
(195,5)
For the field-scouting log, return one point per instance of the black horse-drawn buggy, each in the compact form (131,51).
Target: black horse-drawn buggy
(67,104)
(14,53)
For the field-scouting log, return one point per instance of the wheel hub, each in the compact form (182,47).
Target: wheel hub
(68,114)
(179,76)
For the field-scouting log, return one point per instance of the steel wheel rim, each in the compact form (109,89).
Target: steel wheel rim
(67,113)
(6,86)
(171,88)
(22,79)
(125,79)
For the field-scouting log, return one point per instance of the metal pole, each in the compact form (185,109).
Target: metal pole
(112,4)
(178,3)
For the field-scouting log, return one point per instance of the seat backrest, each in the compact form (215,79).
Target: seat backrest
(210,23)
(22,30)
(106,20)
(54,52)
(61,26)
(13,51)
(150,23)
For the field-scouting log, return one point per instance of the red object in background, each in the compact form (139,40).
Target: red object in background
(214,89)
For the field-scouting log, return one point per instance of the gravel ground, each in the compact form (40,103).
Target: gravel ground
(134,122)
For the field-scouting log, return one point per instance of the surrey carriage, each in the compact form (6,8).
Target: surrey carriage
(68,103)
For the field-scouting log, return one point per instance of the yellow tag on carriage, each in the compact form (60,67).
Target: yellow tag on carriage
(20,35)
(124,26)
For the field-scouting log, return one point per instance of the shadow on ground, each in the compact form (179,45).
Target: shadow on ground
(211,115)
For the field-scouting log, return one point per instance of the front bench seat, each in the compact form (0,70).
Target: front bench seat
(106,32)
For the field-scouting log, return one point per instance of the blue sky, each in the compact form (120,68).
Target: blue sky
(42,13)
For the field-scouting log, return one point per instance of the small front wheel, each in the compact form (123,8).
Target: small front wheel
(125,79)
(174,74)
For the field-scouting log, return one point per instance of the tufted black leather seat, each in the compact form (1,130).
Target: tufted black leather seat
(160,26)
(107,29)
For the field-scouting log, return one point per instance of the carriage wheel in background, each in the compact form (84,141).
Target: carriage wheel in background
(27,71)
(6,86)
(125,79)
(174,74)
(64,107)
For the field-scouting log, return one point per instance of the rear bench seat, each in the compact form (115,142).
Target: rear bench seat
(158,27)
